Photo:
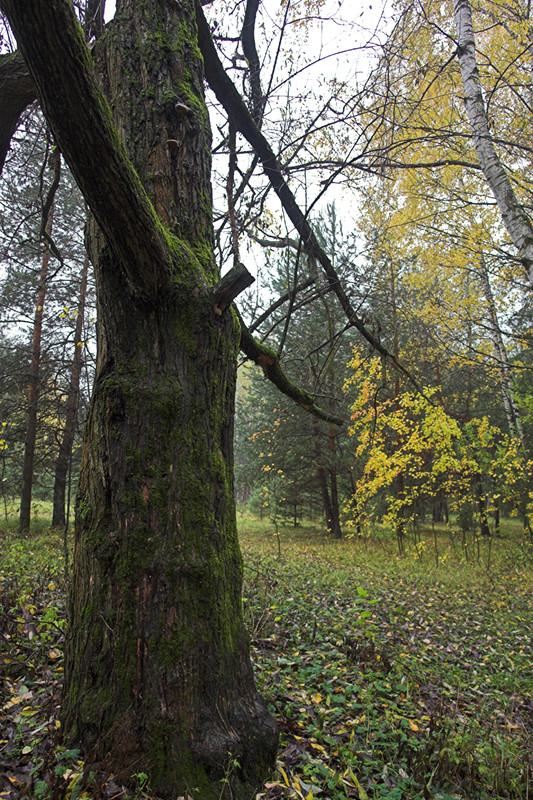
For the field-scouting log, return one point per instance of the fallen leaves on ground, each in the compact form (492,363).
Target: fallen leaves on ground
(392,685)
(387,681)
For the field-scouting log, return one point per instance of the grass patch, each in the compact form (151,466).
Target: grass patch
(32,623)
(398,678)
(393,677)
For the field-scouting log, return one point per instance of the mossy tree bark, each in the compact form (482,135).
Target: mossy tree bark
(157,674)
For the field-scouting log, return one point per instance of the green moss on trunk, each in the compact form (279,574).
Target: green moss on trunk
(157,674)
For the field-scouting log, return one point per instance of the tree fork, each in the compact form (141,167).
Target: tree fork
(157,670)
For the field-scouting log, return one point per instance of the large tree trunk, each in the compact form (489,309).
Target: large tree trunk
(157,671)
(65,449)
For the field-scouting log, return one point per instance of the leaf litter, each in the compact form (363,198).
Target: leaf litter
(385,683)
(391,681)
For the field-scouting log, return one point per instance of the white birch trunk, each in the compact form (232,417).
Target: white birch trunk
(516,221)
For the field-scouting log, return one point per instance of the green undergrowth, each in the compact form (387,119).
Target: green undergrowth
(32,623)
(400,678)
(392,677)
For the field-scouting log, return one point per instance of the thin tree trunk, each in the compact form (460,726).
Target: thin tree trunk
(33,380)
(515,219)
(399,483)
(336,522)
(322,480)
(65,450)
(482,510)
(511,410)
(496,516)
(330,495)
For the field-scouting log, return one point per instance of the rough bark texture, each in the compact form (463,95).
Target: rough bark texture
(157,672)
(17,92)
(65,449)
(515,219)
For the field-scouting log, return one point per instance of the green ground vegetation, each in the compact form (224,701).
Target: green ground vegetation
(392,677)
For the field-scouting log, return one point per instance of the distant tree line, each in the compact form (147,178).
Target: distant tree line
(47,321)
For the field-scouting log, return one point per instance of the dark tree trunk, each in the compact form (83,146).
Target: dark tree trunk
(399,488)
(326,499)
(65,449)
(484,528)
(157,671)
(496,517)
(17,91)
(33,380)
(322,477)
(33,401)
(439,509)
(336,529)
(330,502)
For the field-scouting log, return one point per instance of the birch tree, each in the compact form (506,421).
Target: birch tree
(516,221)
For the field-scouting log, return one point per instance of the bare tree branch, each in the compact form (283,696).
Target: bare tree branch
(267,359)
(279,302)
(252,59)
(231,101)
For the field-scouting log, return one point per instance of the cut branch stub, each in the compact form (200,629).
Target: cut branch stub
(230,286)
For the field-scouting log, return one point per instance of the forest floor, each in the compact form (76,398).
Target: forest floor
(391,677)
